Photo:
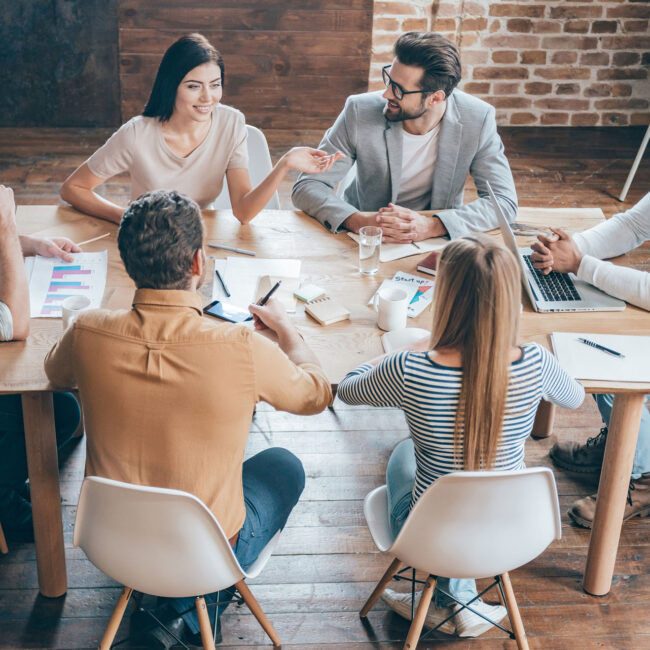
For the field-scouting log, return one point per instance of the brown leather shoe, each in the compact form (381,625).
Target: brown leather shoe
(583,459)
(638,503)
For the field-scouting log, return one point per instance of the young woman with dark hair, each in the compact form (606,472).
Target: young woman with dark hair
(185,140)
(469,394)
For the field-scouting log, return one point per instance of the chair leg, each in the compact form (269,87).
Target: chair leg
(259,614)
(204,624)
(513,613)
(116,619)
(4,549)
(381,585)
(418,622)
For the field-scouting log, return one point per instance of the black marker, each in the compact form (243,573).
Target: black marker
(264,300)
(223,284)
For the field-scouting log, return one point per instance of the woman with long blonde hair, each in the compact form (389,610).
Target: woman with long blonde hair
(469,396)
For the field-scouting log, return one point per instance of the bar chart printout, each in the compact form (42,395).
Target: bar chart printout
(51,281)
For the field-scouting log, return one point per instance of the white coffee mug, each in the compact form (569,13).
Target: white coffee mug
(71,307)
(391,305)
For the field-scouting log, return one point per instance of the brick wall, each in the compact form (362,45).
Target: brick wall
(578,63)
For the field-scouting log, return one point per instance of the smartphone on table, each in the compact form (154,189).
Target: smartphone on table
(227,311)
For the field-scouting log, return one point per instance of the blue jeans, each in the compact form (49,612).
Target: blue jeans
(273,481)
(642,454)
(400,478)
(13,457)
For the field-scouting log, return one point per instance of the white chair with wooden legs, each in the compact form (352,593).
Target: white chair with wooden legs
(164,543)
(468,525)
(4,549)
(259,167)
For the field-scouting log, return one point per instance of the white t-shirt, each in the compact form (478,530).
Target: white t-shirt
(6,323)
(139,148)
(419,153)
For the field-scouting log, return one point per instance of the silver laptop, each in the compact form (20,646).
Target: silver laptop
(555,291)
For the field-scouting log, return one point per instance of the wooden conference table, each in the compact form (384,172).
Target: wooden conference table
(331,262)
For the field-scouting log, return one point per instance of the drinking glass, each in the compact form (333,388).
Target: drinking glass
(369,247)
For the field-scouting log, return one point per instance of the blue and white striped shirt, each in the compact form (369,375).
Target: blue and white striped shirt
(428,394)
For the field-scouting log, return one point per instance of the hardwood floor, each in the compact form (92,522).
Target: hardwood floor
(326,563)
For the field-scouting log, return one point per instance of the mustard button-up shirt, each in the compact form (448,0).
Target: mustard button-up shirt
(168,395)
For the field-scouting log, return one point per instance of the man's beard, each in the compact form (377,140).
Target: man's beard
(401,114)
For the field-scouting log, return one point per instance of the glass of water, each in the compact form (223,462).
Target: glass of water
(369,247)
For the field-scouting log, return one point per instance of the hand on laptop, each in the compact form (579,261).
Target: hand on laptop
(403,225)
(557,252)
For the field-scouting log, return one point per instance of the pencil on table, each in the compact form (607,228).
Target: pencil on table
(90,241)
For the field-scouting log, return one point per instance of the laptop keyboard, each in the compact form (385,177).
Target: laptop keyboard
(554,286)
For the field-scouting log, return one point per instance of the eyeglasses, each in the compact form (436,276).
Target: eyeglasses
(398,91)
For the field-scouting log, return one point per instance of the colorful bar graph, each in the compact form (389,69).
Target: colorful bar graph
(57,275)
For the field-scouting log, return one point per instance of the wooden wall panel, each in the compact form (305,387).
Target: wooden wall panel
(288,63)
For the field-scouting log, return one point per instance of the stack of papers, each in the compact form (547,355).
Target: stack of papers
(390,252)
(419,289)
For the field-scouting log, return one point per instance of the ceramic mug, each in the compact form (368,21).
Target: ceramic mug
(71,307)
(391,305)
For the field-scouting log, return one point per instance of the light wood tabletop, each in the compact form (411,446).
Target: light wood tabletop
(330,261)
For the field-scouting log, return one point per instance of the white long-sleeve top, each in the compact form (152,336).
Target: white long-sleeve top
(620,234)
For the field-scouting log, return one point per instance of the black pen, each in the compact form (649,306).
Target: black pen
(264,300)
(602,348)
(223,284)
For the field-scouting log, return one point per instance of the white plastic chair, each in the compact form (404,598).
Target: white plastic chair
(259,166)
(164,543)
(469,525)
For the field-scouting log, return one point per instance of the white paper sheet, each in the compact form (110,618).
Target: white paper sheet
(419,290)
(582,361)
(51,281)
(390,252)
(402,338)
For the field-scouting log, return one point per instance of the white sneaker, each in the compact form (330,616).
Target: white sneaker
(470,624)
(401,604)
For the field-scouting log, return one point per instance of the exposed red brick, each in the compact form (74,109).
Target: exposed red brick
(594,58)
(554,118)
(523,118)
(394,8)
(635,26)
(383,42)
(625,58)
(386,24)
(469,38)
(638,119)
(598,90)
(567,89)
(584,119)
(564,56)
(569,42)
(533,57)
(615,118)
(509,102)
(627,10)
(538,88)
(477,87)
(563,73)
(576,26)
(500,73)
(444,24)
(622,104)
(519,25)
(623,73)
(521,9)
(604,27)
(473,24)
(415,25)
(557,104)
(495,26)
(621,90)
(375,85)
(518,42)
(626,42)
(504,56)
(546,27)
(472,57)
(506,87)
(569,12)
(473,8)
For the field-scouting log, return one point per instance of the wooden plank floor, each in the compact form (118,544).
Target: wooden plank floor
(326,563)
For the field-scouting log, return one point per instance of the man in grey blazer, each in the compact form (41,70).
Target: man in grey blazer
(412,148)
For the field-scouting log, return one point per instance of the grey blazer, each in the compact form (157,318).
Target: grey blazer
(468,142)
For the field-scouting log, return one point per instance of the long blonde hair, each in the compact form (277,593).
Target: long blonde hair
(476,311)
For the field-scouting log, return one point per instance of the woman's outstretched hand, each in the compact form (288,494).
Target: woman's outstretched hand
(310,161)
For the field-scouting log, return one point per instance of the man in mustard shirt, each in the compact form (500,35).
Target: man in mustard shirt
(169,394)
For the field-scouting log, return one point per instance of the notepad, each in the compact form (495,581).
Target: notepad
(326,310)
(402,338)
(585,362)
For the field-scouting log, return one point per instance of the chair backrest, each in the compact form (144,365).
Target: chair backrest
(259,166)
(481,524)
(157,541)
